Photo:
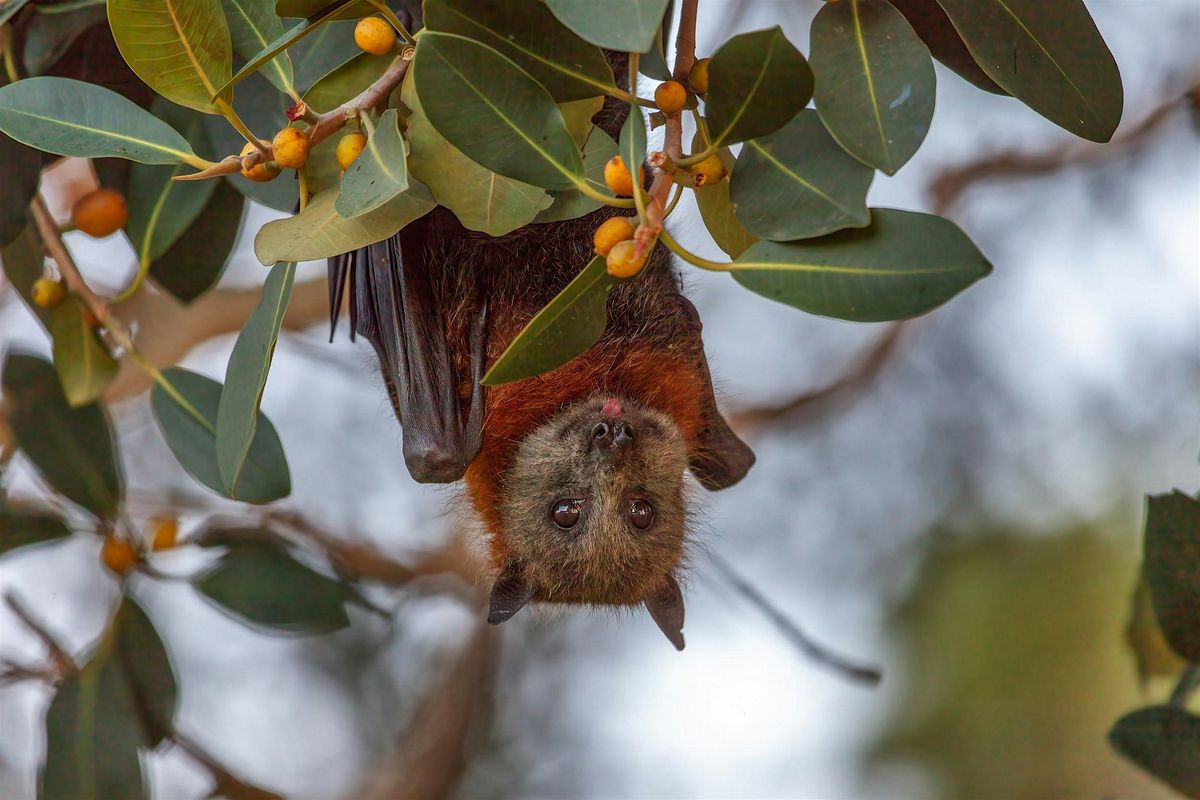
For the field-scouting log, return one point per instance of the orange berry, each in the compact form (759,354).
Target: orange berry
(47,293)
(164,532)
(349,147)
(100,213)
(710,170)
(263,171)
(670,96)
(611,231)
(698,76)
(118,555)
(617,176)
(290,147)
(375,36)
(622,261)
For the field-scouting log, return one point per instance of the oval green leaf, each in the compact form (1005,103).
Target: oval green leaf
(903,265)
(528,33)
(628,25)
(81,359)
(73,448)
(572,203)
(481,199)
(1164,741)
(569,324)
(9,9)
(72,118)
(1172,560)
(20,171)
(191,433)
(875,81)
(320,232)
(312,8)
(179,48)
(23,528)
(578,114)
(716,209)
(932,24)
(379,173)
(756,82)
(653,62)
(1048,55)
(252,26)
(796,183)
(246,376)
(632,141)
(261,583)
(50,36)
(192,265)
(491,110)
(24,261)
(329,47)
(140,653)
(161,209)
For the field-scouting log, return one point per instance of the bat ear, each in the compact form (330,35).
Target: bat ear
(509,594)
(665,605)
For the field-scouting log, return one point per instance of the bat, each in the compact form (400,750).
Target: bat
(578,474)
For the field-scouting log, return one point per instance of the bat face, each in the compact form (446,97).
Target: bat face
(595,505)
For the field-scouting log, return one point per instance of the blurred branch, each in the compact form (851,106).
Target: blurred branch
(227,785)
(860,374)
(947,189)
(434,749)
(791,631)
(63,663)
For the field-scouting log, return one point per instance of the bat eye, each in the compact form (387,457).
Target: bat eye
(565,512)
(641,514)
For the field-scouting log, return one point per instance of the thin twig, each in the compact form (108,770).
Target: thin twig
(63,662)
(792,631)
(227,784)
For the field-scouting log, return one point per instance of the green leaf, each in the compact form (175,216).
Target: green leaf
(23,261)
(84,365)
(578,114)
(633,142)
(179,48)
(122,700)
(571,323)
(321,169)
(1172,561)
(246,376)
(50,36)
(335,10)
(492,111)
(252,26)
(756,82)
(903,265)
(9,9)
(261,583)
(653,63)
(192,265)
(310,8)
(161,209)
(1048,55)
(20,170)
(568,67)
(936,30)
(262,108)
(875,81)
(797,183)
(320,232)
(191,434)
(378,174)
(72,118)
(1164,741)
(92,738)
(716,209)
(73,448)
(140,654)
(23,528)
(316,55)
(628,25)
(481,199)
(572,203)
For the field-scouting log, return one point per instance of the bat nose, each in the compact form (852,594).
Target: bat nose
(611,438)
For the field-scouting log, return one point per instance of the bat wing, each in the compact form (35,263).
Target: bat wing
(393,304)
(721,458)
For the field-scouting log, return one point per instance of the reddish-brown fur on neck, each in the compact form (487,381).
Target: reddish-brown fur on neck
(666,381)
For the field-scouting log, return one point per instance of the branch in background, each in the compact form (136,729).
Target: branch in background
(227,784)
(63,663)
(948,188)
(791,631)
(805,407)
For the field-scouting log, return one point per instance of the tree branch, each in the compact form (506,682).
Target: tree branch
(63,663)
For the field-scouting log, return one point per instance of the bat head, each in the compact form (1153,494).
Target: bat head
(595,511)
